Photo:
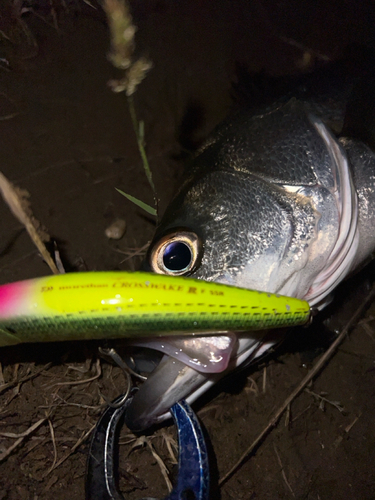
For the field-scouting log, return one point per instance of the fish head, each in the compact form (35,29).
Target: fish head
(268,205)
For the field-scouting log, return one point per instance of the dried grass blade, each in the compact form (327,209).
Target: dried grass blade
(16,205)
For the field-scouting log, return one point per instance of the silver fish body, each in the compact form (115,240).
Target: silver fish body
(279,204)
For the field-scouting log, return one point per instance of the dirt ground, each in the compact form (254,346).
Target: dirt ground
(68,140)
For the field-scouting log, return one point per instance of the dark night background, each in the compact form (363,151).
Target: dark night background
(68,140)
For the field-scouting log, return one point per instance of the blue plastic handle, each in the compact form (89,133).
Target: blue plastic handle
(193,468)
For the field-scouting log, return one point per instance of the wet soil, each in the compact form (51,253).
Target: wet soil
(68,140)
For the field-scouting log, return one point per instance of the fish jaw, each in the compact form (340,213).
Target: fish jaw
(173,380)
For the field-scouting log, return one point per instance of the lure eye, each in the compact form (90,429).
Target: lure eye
(176,253)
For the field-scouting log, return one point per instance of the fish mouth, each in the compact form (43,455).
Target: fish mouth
(174,378)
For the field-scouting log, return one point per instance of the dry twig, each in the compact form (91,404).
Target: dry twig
(84,381)
(15,382)
(133,252)
(72,450)
(52,431)
(321,397)
(349,427)
(21,437)
(253,387)
(264,382)
(144,440)
(171,445)
(282,471)
(161,464)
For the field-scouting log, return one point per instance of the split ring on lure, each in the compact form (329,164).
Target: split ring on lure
(98,305)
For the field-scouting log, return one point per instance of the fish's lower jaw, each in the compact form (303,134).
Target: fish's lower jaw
(170,382)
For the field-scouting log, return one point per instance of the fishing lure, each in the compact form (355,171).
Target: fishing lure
(97,305)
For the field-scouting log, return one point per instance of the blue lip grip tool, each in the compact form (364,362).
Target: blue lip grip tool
(193,469)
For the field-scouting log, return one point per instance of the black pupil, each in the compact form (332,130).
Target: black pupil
(177,256)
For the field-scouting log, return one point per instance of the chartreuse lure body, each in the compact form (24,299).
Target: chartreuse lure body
(98,305)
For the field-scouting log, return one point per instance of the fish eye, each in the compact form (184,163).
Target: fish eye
(177,256)
(176,253)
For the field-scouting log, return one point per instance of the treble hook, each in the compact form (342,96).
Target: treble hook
(193,468)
